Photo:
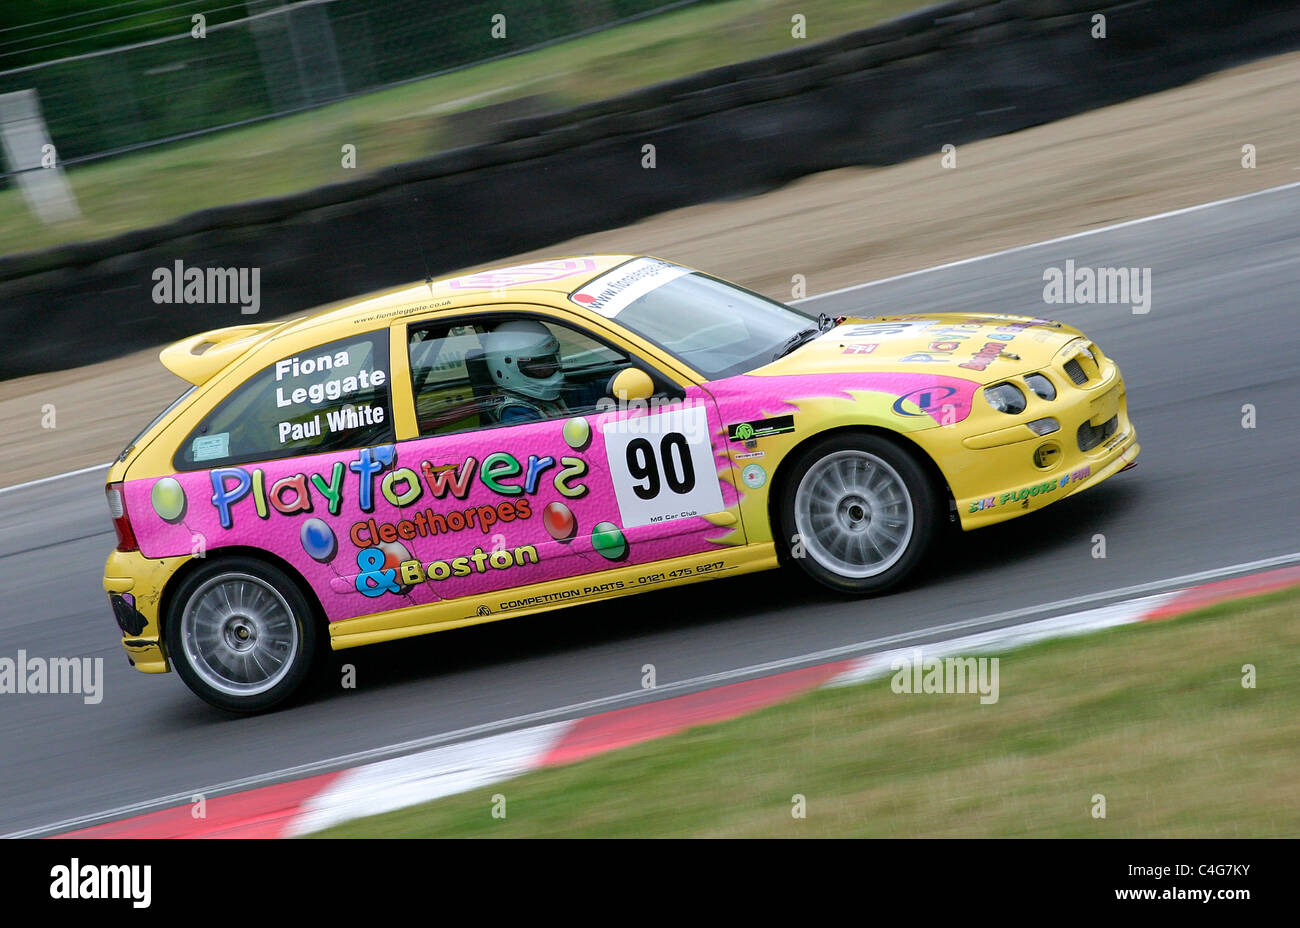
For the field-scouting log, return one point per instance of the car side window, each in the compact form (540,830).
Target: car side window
(471,375)
(449,389)
(329,398)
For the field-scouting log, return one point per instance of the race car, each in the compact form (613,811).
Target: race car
(531,437)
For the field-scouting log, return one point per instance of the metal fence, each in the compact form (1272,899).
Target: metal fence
(281,59)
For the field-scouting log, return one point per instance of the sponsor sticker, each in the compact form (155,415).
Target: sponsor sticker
(760,428)
(523,274)
(211,447)
(611,293)
(885,329)
(929,400)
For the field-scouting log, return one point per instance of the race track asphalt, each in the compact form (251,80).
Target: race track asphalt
(1223,331)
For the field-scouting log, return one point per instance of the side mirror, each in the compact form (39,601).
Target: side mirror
(631,384)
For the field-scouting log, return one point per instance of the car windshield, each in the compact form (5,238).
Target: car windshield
(716,327)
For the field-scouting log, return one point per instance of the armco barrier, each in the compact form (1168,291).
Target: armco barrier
(947,74)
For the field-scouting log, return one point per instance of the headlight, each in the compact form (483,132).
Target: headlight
(1041,386)
(1005,397)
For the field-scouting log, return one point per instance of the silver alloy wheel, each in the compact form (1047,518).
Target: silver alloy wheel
(239,634)
(853,514)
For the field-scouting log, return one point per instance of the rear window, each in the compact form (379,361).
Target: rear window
(158,418)
(329,398)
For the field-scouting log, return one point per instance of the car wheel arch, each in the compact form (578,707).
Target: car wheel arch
(781,475)
(215,555)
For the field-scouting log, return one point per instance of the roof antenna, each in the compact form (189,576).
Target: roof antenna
(424,258)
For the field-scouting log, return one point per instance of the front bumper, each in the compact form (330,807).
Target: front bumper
(134,584)
(1009,477)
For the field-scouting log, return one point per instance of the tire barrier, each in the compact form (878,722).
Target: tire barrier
(947,74)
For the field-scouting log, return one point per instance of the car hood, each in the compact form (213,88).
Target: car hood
(981,347)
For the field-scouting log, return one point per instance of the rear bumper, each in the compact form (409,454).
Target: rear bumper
(134,584)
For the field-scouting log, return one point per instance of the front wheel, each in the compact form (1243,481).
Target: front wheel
(858,513)
(241,634)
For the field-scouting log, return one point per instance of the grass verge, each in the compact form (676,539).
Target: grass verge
(1152,716)
(403,123)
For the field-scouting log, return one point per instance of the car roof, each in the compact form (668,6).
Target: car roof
(200,357)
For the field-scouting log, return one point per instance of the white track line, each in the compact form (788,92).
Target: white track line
(71,473)
(1053,241)
(663,690)
(885,280)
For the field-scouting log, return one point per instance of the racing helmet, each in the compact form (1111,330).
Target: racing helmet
(524,357)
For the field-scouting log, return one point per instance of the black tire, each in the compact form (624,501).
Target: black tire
(859,537)
(277,634)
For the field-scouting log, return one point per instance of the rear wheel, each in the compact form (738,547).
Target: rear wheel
(858,512)
(241,634)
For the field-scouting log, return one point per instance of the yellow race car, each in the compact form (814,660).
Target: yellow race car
(525,438)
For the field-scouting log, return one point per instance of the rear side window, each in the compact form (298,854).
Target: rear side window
(329,398)
(158,418)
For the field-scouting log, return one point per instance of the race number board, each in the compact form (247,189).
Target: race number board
(662,467)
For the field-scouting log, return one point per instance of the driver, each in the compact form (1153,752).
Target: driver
(523,358)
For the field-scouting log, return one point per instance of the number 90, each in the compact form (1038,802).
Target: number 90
(678,471)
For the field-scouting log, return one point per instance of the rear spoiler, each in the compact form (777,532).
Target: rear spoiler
(199,357)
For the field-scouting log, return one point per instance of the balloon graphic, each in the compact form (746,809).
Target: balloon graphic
(394,553)
(559,521)
(577,433)
(318,541)
(608,541)
(169,500)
